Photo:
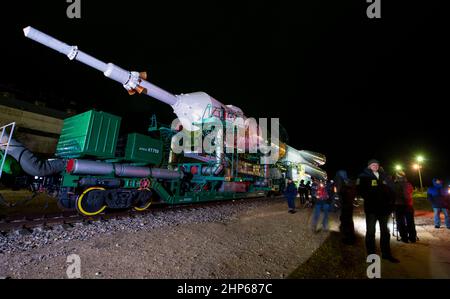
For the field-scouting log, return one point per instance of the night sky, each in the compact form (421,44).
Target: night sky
(344,85)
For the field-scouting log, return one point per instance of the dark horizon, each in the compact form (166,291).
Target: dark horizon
(344,85)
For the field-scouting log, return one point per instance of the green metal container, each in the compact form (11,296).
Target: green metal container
(143,149)
(93,133)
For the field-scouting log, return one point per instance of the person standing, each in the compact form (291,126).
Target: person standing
(331,190)
(291,193)
(303,192)
(378,205)
(438,196)
(321,203)
(404,210)
(308,193)
(346,190)
(314,186)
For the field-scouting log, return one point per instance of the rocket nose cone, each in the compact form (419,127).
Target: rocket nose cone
(26,30)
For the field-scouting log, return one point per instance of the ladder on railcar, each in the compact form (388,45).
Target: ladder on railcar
(7,130)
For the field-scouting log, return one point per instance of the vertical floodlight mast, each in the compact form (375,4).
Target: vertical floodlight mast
(420,160)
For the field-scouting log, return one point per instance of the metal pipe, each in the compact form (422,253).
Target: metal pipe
(88,167)
(31,164)
(132,171)
(166,174)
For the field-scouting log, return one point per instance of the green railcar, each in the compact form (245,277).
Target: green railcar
(101,174)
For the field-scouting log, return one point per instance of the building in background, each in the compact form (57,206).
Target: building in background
(38,126)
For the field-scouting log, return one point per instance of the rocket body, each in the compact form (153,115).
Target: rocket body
(189,108)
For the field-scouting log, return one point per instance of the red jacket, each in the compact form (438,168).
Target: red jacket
(403,193)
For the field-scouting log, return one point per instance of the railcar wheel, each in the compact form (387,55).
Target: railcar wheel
(144,201)
(89,204)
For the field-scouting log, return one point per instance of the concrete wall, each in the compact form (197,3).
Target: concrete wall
(36,131)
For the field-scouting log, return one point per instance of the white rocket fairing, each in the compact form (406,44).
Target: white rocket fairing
(189,108)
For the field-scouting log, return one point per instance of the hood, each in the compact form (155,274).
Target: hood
(436,184)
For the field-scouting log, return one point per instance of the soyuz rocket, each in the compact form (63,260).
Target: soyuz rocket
(189,108)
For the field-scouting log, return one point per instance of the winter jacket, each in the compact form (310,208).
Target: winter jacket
(347,194)
(291,191)
(345,188)
(403,193)
(302,188)
(330,189)
(314,187)
(438,195)
(378,196)
(321,194)
(308,186)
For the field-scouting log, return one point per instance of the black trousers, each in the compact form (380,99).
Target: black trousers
(371,221)
(347,226)
(303,196)
(404,216)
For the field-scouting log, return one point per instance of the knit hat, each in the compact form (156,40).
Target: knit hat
(371,161)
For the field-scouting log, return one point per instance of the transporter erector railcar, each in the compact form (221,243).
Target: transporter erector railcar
(98,169)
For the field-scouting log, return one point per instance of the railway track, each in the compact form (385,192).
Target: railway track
(25,224)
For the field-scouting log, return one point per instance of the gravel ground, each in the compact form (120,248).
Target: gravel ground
(241,239)
(428,258)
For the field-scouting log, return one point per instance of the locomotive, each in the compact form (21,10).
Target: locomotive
(94,168)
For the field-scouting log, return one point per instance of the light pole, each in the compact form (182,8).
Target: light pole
(418,166)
